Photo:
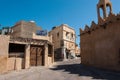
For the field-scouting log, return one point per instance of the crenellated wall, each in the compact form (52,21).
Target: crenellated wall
(100,43)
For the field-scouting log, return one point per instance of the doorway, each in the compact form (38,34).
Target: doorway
(36,56)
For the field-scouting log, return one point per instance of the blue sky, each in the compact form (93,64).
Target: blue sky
(49,13)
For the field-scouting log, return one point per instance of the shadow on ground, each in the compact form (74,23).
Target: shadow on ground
(85,71)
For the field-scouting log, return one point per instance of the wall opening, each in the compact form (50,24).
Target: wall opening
(67,35)
(101,13)
(108,9)
(16,50)
(16,56)
(36,55)
(58,34)
(50,50)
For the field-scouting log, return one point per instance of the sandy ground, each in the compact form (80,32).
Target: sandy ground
(66,70)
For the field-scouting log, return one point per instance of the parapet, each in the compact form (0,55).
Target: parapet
(112,18)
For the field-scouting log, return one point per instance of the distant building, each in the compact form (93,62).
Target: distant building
(64,39)
(5,31)
(100,43)
(23,48)
(77,50)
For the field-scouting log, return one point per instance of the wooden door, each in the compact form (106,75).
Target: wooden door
(36,56)
(39,56)
(33,56)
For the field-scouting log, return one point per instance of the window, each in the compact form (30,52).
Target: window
(67,36)
(58,34)
(101,12)
(72,35)
(16,50)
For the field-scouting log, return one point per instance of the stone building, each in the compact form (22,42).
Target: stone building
(64,38)
(77,50)
(25,29)
(23,48)
(100,43)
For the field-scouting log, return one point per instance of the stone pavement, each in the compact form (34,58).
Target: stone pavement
(66,70)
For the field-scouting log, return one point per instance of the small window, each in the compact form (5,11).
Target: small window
(72,35)
(67,36)
(58,34)
(67,33)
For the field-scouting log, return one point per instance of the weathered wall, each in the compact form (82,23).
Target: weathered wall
(27,57)
(100,47)
(56,36)
(46,55)
(50,61)
(16,30)
(34,36)
(4,42)
(24,29)
(14,64)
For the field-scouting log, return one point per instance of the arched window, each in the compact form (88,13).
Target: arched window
(101,11)
(108,9)
(58,34)
(67,35)
(72,35)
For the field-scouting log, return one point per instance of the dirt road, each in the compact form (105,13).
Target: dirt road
(66,70)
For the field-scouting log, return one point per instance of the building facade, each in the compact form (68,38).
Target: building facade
(100,42)
(23,48)
(77,50)
(25,29)
(63,38)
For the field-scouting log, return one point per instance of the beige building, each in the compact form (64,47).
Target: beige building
(24,48)
(64,38)
(77,50)
(100,43)
(25,29)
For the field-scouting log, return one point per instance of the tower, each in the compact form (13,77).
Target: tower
(104,5)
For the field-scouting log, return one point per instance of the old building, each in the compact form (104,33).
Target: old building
(25,29)
(24,48)
(64,40)
(77,50)
(100,43)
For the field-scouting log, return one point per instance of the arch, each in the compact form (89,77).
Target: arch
(108,8)
(104,9)
(101,12)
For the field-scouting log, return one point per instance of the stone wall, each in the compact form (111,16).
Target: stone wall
(4,42)
(24,29)
(56,37)
(50,61)
(100,44)
(14,64)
